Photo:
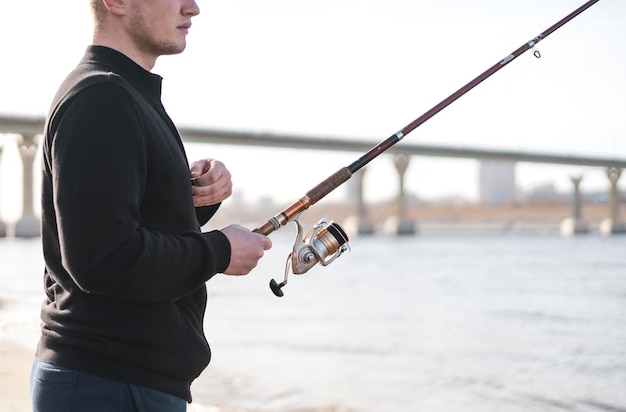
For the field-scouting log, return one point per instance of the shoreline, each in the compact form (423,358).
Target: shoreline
(15,366)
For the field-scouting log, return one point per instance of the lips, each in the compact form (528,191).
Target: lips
(185,27)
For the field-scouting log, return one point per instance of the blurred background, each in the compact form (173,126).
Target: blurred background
(487,306)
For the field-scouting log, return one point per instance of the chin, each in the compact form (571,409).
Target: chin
(173,48)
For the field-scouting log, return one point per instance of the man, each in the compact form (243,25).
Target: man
(126,261)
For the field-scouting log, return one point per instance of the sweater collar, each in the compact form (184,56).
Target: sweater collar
(146,82)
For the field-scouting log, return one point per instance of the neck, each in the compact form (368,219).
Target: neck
(124,46)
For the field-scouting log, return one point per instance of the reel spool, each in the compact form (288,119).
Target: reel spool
(324,243)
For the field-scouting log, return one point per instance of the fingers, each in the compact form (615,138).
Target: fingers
(199,167)
(208,171)
(247,248)
(212,194)
(267,242)
(211,182)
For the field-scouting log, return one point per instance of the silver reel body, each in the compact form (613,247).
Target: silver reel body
(324,243)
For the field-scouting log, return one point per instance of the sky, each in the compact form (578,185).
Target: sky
(358,69)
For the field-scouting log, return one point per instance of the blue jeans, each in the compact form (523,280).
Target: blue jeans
(57,389)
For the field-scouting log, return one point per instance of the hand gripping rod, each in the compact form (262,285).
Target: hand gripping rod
(343,174)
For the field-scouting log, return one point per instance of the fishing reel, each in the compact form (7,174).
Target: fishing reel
(324,243)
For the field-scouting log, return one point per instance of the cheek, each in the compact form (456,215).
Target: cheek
(149,20)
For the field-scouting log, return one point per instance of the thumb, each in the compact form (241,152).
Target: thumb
(197,168)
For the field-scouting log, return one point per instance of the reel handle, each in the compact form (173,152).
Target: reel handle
(277,288)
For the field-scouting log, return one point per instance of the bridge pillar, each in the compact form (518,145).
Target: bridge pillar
(28,225)
(358,224)
(401,224)
(362,225)
(613,224)
(3,226)
(575,225)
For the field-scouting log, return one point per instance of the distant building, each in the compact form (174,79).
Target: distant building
(545,191)
(497,182)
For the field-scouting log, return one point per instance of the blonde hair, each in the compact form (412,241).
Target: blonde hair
(96,11)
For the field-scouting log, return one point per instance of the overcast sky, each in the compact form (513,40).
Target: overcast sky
(361,69)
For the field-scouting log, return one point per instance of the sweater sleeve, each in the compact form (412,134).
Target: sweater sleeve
(100,172)
(204,213)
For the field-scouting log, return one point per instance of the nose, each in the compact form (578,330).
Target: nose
(191,9)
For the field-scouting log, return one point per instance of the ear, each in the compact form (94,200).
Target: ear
(116,7)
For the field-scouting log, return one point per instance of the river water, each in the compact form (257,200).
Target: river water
(505,322)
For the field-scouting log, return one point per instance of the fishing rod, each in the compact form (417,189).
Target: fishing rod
(327,240)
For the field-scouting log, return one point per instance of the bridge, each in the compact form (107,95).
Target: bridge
(28,130)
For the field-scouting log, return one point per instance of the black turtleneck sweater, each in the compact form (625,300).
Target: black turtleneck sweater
(126,261)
